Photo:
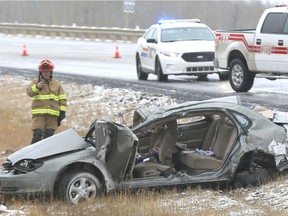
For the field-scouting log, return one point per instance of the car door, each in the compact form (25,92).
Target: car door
(144,49)
(118,147)
(152,44)
(273,39)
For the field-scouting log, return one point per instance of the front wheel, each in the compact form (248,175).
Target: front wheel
(202,77)
(140,74)
(158,70)
(224,76)
(76,187)
(241,79)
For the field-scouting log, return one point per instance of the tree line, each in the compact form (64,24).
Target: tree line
(216,14)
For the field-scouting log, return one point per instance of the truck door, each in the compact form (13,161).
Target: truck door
(272,39)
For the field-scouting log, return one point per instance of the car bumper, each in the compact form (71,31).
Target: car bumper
(29,183)
(180,67)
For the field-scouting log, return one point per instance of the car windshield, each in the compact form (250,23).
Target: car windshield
(186,34)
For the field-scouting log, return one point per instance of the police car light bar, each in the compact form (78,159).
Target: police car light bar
(179,20)
(283,3)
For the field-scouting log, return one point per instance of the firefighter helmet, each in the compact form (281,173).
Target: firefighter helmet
(46,65)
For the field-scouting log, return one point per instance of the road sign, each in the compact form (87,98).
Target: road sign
(128,6)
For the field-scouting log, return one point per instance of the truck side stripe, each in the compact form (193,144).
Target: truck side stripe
(251,48)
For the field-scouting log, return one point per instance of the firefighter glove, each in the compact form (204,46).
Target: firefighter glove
(61,117)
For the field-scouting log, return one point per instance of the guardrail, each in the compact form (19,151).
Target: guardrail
(82,32)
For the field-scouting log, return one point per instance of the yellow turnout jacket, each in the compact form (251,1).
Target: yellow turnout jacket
(48,100)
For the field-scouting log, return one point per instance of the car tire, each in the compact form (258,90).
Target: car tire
(158,70)
(241,79)
(202,77)
(247,178)
(224,76)
(79,186)
(140,74)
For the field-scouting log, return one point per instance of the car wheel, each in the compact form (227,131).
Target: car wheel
(140,74)
(248,177)
(202,77)
(80,186)
(241,79)
(224,76)
(158,70)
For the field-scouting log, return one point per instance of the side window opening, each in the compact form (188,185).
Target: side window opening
(274,23)
(242,120)
(149,34)
(285,30)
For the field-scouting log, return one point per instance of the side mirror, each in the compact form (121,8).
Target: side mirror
(151,41)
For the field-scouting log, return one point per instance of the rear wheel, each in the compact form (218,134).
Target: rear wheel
(76,187)
(252,177)
(158,70)
(241,79)
(140,74)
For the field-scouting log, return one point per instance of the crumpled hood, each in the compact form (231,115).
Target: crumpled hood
(65,141)
(188,46)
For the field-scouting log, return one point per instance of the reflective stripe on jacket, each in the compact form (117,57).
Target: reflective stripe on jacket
(48,100)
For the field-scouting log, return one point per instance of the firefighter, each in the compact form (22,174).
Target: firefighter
(48,102)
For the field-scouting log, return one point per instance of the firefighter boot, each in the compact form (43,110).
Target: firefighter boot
(49,132)
(37,135)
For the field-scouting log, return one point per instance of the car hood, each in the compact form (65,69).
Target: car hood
(62,142)
(188,46)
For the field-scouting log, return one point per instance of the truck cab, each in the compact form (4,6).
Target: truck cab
(272,38)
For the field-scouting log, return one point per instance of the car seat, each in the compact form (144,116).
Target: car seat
(220,138)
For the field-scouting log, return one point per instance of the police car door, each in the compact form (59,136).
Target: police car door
(145,51)
(152,47)
(273,39)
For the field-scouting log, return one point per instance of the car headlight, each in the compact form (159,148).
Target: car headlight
(7,164)
(170,54)
(28,165)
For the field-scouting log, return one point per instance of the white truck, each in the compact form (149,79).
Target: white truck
(262,51)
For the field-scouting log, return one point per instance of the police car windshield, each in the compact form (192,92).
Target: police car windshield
(186,34)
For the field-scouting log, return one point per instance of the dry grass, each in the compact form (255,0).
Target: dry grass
(16,133)
(15,114)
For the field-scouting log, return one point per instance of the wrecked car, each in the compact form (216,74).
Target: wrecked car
(212,141)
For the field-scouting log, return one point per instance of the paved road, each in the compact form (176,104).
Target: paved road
(92,61)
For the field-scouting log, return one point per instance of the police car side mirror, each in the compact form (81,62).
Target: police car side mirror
(151,41)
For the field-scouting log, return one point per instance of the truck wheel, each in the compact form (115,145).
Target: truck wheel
(241,79)
(79,186)
(140,74)
(158,70)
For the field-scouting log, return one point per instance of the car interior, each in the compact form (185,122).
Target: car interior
(194,144)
